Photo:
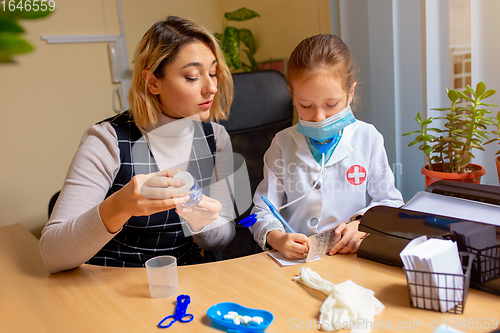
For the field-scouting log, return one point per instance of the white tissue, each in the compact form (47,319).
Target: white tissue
(348,305)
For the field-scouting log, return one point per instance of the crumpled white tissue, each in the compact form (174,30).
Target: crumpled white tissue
(348,305)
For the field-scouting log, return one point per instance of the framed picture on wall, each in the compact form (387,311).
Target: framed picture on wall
(276,64)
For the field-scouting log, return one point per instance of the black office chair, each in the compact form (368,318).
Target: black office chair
(262,106)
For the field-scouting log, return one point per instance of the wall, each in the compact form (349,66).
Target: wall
(49,97)
(485,28)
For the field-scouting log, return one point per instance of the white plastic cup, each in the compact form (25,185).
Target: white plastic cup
(192,185)
(162,276)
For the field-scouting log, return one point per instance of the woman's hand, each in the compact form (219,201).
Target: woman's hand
(291,246)
(350,238)
(143,195)
(201,215)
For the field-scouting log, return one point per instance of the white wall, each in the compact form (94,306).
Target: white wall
(485,27)
(385,39)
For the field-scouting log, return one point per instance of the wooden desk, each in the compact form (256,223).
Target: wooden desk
(107,299)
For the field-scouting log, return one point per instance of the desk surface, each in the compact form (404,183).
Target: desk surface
(108,299)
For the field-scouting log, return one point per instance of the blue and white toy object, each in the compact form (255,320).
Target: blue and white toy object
(195,193)
(240,318)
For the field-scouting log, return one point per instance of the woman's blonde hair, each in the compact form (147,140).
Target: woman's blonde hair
(324,54)
(159,47)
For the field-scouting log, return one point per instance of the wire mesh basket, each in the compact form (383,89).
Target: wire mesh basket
(486,264)
(440,291)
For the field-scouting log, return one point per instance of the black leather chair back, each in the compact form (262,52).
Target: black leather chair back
(262,107)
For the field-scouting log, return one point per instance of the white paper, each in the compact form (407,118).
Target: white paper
(463,209)
(282,261)
(322,243)
(436,292)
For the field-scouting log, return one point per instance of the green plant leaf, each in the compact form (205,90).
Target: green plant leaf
(241,14)
(480,89)
(246,37)
(453,95)
(489,93)
(428,137)
(413,143)
(411,133)
(427,150)
(10,25)
(498,152)
(12,43)
(465,160)
(245,67)
(418,118)
(470,90)
(232,46)
(253,64)
(441,109)
(490,141)
(464,96)
(489,104)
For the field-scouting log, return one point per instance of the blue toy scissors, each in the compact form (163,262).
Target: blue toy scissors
(180,312)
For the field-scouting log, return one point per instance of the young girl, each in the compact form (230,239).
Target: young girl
(356,172)
(116,208)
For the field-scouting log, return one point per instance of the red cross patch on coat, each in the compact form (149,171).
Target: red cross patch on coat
(356,175)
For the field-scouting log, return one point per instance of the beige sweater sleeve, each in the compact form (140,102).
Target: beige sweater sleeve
(75,231)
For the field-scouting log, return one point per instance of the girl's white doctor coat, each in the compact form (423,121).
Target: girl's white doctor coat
(357,177)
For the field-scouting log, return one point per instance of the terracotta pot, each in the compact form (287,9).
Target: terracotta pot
(497,161)
(468,177)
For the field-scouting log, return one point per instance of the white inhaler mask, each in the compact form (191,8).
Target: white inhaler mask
(195,193)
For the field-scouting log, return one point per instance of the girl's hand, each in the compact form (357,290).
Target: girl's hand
(291,246)
(199,216)
(143,195)
(350,238)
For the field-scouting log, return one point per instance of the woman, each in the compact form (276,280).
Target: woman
(116,208)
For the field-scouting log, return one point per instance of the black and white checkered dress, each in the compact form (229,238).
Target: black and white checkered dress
(144,237)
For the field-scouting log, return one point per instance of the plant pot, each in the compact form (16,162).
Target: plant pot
(497,161)
(466,177)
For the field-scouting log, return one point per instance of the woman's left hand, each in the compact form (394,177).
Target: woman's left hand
(350,238)
(199,216)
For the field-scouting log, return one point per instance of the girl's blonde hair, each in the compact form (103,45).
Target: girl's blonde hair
(159,47)
(322,55)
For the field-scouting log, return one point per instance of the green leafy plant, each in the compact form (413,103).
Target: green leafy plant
(230,40)
(11,12)
(465,130)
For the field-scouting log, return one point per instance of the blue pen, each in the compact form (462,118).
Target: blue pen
(277,214)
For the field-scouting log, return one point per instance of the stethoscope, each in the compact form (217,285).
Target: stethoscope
(252,219)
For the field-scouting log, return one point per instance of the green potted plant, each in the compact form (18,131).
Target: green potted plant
(230,40)
(449,152)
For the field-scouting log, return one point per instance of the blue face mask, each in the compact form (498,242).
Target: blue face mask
(326,129)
